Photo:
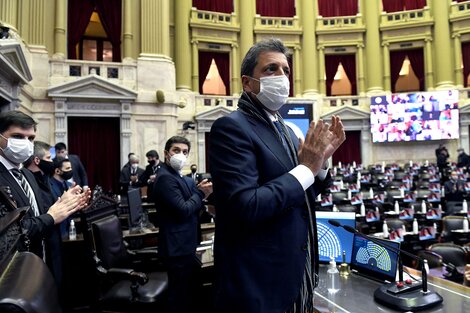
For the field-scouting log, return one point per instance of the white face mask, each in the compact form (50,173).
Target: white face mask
(18,150)
(134,166)
(177,161)
(274,91)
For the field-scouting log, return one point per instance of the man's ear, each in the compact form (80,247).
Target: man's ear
(246,84)
(36,160)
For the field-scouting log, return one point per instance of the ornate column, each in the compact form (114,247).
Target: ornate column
(360,67)
(246,14)
(386,66)
(458,70)
(374,59)
(36,23)
(60,35)
(126,132)
(127,36)
(442,45)
(195,69)
(182,42)
(60,115)
(321,69)
(9,12)
(155,28)
(310,64)
(235,84)
(297,77)
(428,64)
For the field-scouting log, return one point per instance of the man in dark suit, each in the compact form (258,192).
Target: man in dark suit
(17,132)
(129,177)
(42,167)
(265,183)
(150,174)
(79,173)
(179,203)
(463,159)
(194,175)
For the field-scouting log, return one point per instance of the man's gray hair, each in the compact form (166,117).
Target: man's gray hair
(251,57)
(40,148)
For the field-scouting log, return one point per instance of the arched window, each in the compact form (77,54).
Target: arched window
(214,73)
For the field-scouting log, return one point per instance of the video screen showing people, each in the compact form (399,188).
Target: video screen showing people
(428,232)
(406,214)
(415,116)
(434,214)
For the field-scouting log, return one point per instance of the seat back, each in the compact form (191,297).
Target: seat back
(339,197)
(346,208)
(434,259)
(451,222)
(450,253)
(27,286)
(108,242)
(394,223)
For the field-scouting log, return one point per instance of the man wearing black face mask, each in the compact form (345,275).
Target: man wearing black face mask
(194,174)
(150,173)
(60,184)
(42,167)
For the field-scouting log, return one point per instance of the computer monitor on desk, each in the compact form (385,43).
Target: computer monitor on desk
(135,209)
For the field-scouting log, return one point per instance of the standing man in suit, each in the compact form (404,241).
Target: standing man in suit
(17,132)
(265,183)
(129,177)
(150,174)
(179,203)
(41,166)
(79,173)
(194,174)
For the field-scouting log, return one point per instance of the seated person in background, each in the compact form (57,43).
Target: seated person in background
(463,160)
(129,177)
(454,188)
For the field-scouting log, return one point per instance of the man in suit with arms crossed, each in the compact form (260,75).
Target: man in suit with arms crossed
(17,132)
(265,184)
(179,203)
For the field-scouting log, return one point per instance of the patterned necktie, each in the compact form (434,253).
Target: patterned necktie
(283,138)
(27,190)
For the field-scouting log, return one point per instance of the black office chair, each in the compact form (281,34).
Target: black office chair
(450,223)
(339,197)
(346,208)
(394,223)
(434,259)
(422,193)
(450,253)
(122,288)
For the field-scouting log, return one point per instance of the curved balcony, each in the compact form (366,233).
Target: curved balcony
(211,20)
(403,19)
(342,24)
(277,25)
(459,11)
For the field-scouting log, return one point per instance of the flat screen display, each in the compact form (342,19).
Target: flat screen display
(416,116)
(134,201)
(332,241)
(374,260)
(297,116)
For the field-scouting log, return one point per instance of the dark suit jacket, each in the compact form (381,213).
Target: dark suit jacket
(37,227)
(57,187)
(190,175)
(143,179)
(79,172)
(261,218)
(125,179)
(179,203)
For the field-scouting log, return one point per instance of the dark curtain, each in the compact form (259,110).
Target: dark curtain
(110,15)
(291,75)
(331,67)
(402,5)
(331,8)
(275,8)
(79,13)
(466,61)
(417,62)
(396,62)
(97,142)
(414,4)
(350,150)
(222,60)
(222,6)
(349,65)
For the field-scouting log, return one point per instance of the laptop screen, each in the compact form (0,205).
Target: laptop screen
(373,260)
(332,241)
(135,207)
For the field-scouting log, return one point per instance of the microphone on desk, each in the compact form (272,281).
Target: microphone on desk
(398,295)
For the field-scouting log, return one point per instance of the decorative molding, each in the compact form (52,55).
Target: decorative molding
(347,113)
